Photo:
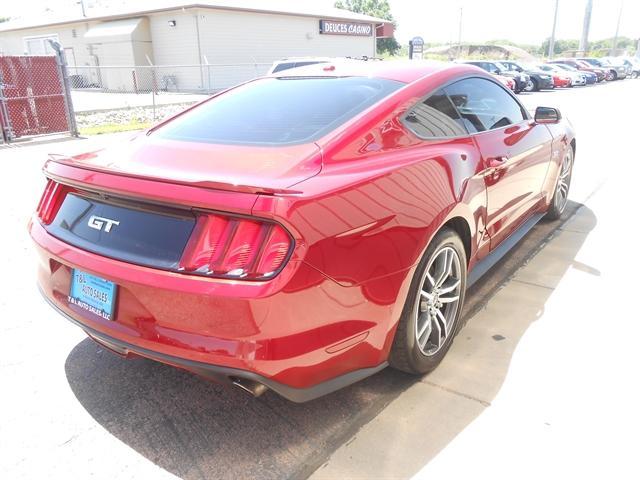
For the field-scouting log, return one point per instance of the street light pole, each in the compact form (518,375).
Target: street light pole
(81,3)
(552,40)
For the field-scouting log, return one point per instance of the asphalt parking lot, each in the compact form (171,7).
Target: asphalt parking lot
(543,376)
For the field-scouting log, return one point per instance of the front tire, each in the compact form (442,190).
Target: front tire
(431,315)
(532,86)
(561,192)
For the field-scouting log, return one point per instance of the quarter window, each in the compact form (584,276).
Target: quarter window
(435,117)
(483,105)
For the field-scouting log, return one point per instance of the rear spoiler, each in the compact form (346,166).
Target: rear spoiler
(58,168)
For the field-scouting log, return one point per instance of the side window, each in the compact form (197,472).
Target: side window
(491,67)
(483,105)
(435,117)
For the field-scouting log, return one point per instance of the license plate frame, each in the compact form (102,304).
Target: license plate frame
(92,294)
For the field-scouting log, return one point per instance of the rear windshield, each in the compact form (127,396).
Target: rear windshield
(277,111)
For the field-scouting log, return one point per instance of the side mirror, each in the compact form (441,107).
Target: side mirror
(547,115)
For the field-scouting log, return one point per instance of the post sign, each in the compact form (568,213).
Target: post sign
(355,29)
(416,48)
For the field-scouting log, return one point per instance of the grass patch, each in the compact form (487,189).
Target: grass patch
(113,128)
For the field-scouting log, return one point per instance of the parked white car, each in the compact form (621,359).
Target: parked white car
(577,78)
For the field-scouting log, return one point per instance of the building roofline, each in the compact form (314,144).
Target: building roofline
(188,6)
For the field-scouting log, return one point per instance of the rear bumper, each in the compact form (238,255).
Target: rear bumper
(301,334)
(224,375)
(546,83)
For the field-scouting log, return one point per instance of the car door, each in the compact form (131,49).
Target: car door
(515,152)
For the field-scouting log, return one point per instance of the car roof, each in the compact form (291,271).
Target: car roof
(405,71)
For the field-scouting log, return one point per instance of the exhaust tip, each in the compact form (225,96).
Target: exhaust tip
(251,387)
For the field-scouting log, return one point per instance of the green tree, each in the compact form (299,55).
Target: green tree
(532,49)
(559,46)
(375,8)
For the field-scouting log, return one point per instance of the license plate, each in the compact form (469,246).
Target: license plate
(92,294)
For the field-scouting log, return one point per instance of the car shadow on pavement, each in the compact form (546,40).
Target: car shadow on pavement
(195,429)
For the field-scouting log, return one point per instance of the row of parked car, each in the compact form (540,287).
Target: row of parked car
(524,77)
(559,73)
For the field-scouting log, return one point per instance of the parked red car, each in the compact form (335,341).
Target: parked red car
(302,232)
(510,83)
(561,82)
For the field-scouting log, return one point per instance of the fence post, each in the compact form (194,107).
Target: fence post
(66,87)
(153,90)
(5,121)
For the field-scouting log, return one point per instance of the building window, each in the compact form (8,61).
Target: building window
(39,45)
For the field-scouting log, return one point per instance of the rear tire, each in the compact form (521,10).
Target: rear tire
(561,192)
(431,315)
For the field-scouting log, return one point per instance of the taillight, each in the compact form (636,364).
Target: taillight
(51,200)
(233,247)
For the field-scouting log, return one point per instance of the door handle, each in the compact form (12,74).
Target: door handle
(496,162)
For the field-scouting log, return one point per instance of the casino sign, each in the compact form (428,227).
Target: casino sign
(355,29)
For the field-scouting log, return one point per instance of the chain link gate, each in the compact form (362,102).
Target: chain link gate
(35,96)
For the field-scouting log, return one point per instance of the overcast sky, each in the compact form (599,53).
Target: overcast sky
(437,20)
(524,22)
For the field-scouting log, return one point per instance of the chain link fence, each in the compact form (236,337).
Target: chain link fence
(34,96)
(111,98)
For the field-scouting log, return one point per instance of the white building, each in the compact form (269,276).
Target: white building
(224,42)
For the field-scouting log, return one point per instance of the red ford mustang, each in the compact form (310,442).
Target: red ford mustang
(302,231)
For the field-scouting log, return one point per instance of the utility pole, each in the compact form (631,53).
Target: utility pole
(615,38)
(460,34)
(584,40)
(552,40)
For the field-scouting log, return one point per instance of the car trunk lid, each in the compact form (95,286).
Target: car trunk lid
(249,169)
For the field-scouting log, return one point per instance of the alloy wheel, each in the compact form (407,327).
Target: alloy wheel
(564,180)
(438,300)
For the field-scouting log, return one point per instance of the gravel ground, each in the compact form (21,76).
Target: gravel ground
(124,116)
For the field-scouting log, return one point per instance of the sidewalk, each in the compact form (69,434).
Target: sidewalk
(543,379)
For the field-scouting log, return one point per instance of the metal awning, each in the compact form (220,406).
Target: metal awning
(118,28)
